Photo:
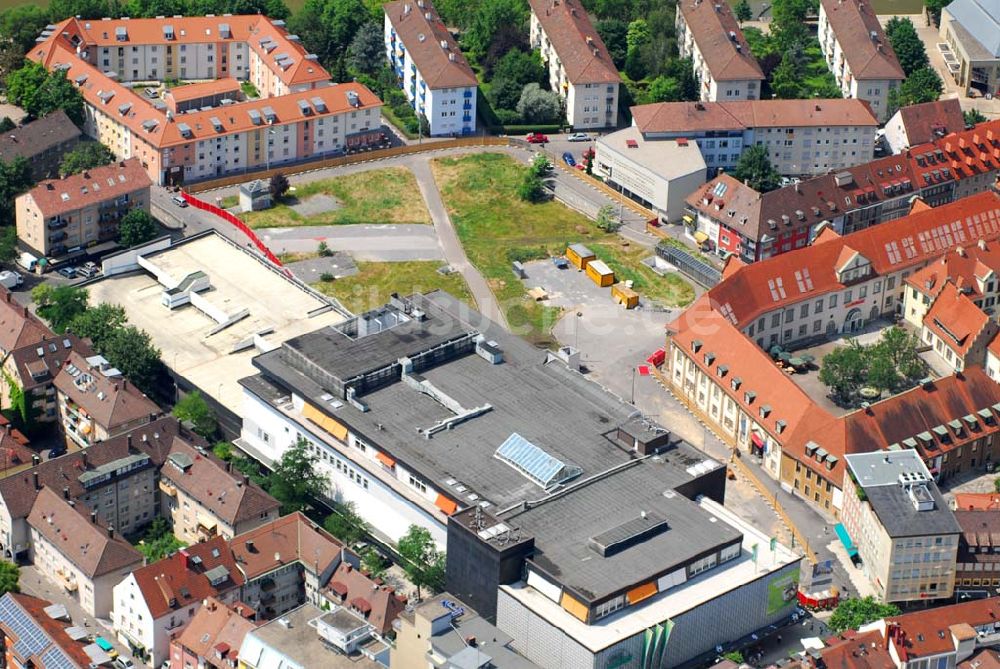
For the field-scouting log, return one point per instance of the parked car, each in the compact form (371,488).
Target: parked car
(569,159)
(179,201)
(536,138)
(124,663)
(86,272)
(10,279)
(68,272)
(106,646)
(578,137)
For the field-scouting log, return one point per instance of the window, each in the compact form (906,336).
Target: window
(609,607)
(418,484)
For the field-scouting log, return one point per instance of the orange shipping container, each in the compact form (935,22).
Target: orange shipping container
(600,273)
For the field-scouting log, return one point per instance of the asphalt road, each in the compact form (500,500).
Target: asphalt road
(379,243)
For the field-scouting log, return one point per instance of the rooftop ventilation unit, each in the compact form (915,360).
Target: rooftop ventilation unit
(629,533)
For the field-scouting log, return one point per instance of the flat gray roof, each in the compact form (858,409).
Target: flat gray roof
(565,527)
(490,641)
(664,157)
(981,21)
(556,409)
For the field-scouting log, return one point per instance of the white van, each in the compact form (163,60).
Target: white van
(27,261)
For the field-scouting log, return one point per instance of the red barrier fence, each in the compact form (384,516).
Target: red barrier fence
(235,221)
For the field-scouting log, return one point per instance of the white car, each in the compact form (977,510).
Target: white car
(578,137)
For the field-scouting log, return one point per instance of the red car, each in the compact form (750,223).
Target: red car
(536,138)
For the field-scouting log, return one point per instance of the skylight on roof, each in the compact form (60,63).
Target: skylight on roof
(534,463)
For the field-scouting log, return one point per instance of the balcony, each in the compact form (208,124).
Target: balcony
(168,488)
(467,106)
(57,224)
(467,94)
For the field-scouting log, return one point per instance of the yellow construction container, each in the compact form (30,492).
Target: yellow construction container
(600,273)
(579,255)
(624,295)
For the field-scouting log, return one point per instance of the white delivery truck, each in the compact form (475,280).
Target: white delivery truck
(27,261)
(10,280)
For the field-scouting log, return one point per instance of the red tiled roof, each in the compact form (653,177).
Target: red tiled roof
(440,66)
(215,628)
(954,318)
(181,579)
(717,33)
(88,188)
(54,630)
(737,115)
(977,501)
(853,22)
(110,401)
(580,48)
(928,632)
(356,587)
(291,538)
(930,120)
(966,264)
(202,90)
(764,286)
(18,326)
(861,651)
(38,363)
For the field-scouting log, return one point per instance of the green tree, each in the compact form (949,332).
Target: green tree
(97,323)
(489,21)
(10,574)
(996,484)
(39,92)
(843,369)
(742,11)
(606,219)
(788,23)
(422,561)
(59,305)
(538,106)
(613,32)
(515,70)
(296,480)
(372,562)
(6,125)
(734,655)
(136,227)
(20,26)
(508,38)
(973,116)
(279,185)
(151,8)
(346,524)
(934,8)
(327,27)
(131,351)
(637,35)
(901,349)
(787,79)
(907,44)
(366,53)
(158,541)
(755,169)
(193,408)
(15,178)
(923,85)
(8,244)
(540,166)
(85,156)
(880,373)
(23,84)
(224,451)
(531,188)
(85,9)
(853,613)
(664,89)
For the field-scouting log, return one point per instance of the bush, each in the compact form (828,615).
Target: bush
(327,277)
(507,117)
(525,254)
(523,129)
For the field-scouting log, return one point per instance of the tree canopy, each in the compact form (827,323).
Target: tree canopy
(907,44)
(346,524)
(15,178)
(973,116)
(296,481)
(39,92)
(422,561)
(194,409)
(158,541)
(923,85)
(97,323)
(85,156)
(136,227)
(59,305)
(366,52)
(890,364)
(10,575)
(755,169)
(539,106)
(853,613)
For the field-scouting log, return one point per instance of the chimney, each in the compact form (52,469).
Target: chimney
(128,441)
(35,460)
(250,546)
(34,476)
(93,517)
(185,558)
(470,641)
(66,492)
(111,531)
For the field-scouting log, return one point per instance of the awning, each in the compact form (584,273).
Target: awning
(687,218)
(757,440)
(700,237)
(445,504)
(385,460)
(208,522)
(637,594)
(845,539)
(575,607)
(325,422)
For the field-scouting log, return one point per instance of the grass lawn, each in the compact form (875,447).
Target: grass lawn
(496,227)
(375,281)
(377,196)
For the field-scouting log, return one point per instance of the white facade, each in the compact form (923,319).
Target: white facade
(711,89)
(588,105)
(875,91)
(449,110)
(390,500)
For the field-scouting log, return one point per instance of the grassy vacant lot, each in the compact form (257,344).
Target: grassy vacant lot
(376,196)
(375,281)
(496,227)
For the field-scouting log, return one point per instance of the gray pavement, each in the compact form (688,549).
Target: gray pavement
(378,243)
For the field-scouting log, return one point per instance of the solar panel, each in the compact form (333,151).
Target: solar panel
(55,658)
(30,638)
(534,463)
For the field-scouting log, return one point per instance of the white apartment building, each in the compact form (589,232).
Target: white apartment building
(579,65)
(858,53)
(906,537)
(708,34)
(437,79)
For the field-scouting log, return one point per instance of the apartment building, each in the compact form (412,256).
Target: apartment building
(432,70)
(33,368)
(82,209)
(301,115)
(213,637)
(96,402)
(78,555)
(957,330)
(977,569)
(33,630)
(918,124)
(858,53)
(19,327)
(115,478)
(718,366)
(43,143)
(803,137)
(579,65)
(904,533)
(203,498)
(154,603)
(709,34)
(445,627)
(970,29)
(737,220)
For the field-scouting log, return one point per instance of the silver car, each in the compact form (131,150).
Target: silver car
(578,137)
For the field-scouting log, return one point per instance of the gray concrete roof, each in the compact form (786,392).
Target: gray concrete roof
(981,19)
(664,157)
